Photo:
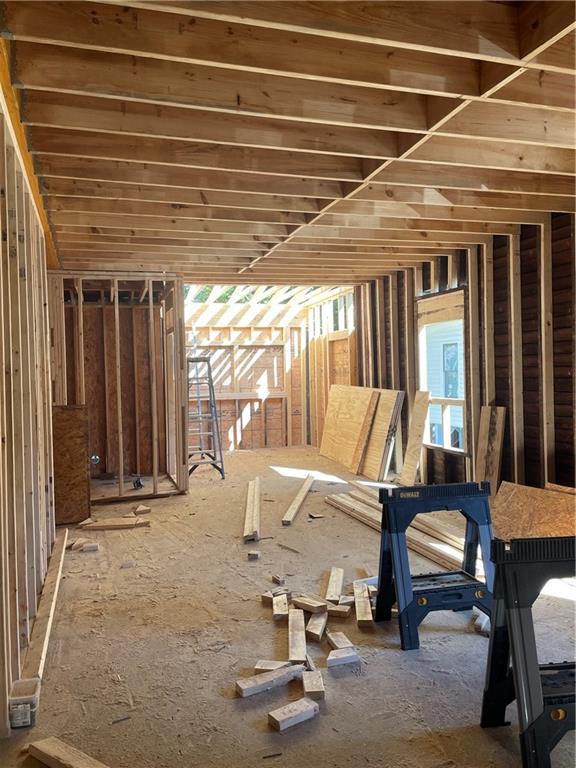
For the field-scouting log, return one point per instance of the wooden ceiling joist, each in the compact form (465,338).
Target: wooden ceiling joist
(292,142)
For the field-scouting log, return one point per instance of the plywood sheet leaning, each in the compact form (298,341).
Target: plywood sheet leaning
(252,516)
(520,512)
(347,424)
(415,437)
(490,440)
(71,463)
(297,501)
(56,754)
(381,439)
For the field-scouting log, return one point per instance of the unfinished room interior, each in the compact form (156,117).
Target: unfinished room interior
(287,413)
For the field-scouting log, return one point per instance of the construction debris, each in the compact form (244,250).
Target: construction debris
(342,656)
(57,754)
(338,640)
(316,626)
(253,554)
(277,579)
(309,604)
(269,665)
(313,685)
(265,681)
(142,509)
(252,516)
(279,607)
(116,523)
(296,636)
(297,502)
(292,714)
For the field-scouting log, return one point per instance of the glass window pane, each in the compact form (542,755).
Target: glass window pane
(435,425)
(454,421)
(442,359)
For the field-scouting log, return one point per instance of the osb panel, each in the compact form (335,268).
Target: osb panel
(380,438)
(71,463)
(347,424)
(520,512)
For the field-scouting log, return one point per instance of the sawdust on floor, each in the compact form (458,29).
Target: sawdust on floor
(152,630)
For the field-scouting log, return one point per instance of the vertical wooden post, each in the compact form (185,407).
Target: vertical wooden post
(119,431)
(287,343)
(80,381)
(153,384)
(181,373)
(473,360)
(381,340)
(546,346)
(517,384)
(488,316)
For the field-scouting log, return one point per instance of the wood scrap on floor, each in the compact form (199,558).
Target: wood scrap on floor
(362,605)
(292,714)
(298,501)
(252,515)
(490,441)
(378,454)
(316,626)
(116,524)
(313,685)
(296,636)
(342,656)
(265,681)
(57,754)
(309,604)
(280,607)
(253,554)
(35,659)
(338,640)
(335,582)
(269,665)
(142,509)
(418,415)
(347,424)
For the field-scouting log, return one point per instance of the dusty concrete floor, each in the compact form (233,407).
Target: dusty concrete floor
(151,632)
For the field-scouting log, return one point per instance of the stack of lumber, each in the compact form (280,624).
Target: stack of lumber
(359,428)
(437,540)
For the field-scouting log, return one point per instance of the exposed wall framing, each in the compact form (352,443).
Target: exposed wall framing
(27,530)
(113,335)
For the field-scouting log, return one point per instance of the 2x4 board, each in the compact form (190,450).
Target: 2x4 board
(381,438)
(348,423)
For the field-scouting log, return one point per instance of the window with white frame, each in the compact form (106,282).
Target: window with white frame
(442,370)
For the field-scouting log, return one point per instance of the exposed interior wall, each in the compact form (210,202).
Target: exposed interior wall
(113,338)
(519,303)
(27,529)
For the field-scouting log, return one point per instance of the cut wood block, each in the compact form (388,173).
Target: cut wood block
(280,607)
(335,583)
(297,502)
(142,509)
(342,656)
(346,600)
(338,640)
(253,554)
(313,685)
(56,754)
(316,626)
(310,663)
(339,611)
(296,636)
(269,665)
(116,524)
(252,515)
(362,605)
(292,714)
(249,686)
(277,579)
(129,514)
(91,546)
(268,597)
(309,604)
(77,544)
(315,516)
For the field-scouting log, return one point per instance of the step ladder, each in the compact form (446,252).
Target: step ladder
(417,596)
(204,442)
(544,692)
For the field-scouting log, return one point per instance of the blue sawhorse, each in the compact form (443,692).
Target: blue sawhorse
(416,596)
(544,692)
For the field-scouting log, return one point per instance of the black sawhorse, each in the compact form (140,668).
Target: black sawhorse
(544,692)
(417,596)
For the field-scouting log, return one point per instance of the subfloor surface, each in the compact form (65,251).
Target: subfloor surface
(151,632)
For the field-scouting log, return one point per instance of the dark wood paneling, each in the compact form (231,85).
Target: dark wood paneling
(502,345)
(531,355)
(563,295)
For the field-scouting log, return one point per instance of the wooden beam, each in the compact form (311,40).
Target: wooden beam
(515,333)
(119,426)
(547,349)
